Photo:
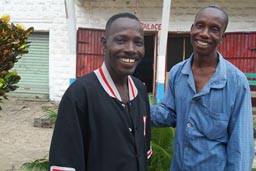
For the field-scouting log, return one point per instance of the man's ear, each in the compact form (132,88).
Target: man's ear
(103,43)
(223,37)
(191,27)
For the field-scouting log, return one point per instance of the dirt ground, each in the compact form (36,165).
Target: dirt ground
(20,141)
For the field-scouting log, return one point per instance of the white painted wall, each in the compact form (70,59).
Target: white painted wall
(47,16)
(242,13)
(50,16)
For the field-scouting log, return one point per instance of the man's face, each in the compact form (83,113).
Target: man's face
(207,31)
(123,46)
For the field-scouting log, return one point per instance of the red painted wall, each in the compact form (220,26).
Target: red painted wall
(240,49)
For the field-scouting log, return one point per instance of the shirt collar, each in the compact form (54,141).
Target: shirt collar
(218,79)
(109,86)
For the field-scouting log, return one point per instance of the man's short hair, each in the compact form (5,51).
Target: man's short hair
(215,7)
(117,16)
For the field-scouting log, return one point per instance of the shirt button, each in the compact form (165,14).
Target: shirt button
(186,148)
(188,125)
(123,105)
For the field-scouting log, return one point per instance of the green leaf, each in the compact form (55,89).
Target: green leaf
(37,165)
(51,114)
(161,140)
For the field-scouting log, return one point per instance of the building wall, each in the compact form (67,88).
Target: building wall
(51,16)
(242,13)
(47,16)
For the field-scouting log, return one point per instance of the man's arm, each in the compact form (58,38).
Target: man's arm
(240,148)
(67,146)
(163,114)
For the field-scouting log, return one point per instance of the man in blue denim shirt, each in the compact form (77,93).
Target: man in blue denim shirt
(208,101)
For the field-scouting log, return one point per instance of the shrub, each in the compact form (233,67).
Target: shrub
(37,165)
(161,140)
(13,44)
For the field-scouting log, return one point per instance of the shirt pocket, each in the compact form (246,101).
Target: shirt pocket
(211,124)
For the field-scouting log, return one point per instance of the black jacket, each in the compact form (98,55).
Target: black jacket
(94,132)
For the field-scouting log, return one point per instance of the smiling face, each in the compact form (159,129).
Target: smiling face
(207,31)
(123,46)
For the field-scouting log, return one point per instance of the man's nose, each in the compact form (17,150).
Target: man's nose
(205,32)
(130,46)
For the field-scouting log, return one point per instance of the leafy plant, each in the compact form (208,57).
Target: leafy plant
(37,165)
(51,114)
(13,44)
(151,98)
(161,140)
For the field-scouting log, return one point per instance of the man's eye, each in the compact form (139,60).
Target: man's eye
(199,26)
(120,41)
(139,43)
(215,29)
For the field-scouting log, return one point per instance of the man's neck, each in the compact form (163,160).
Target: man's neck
(204,61)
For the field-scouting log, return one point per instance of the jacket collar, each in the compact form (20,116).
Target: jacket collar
(109,86)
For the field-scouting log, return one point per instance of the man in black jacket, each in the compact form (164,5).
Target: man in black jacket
(103,120)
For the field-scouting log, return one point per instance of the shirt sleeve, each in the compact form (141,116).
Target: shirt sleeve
(67,145)
(240,148)
(163,114)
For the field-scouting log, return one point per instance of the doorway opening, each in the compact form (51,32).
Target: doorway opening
(179,48)
(145,69)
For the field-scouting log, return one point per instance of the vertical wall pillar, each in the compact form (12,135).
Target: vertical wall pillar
(161,64)
(71,24)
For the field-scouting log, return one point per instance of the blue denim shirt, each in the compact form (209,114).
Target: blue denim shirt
(214,128)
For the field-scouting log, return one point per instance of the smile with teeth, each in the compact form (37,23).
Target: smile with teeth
(201,43)
(127,60)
